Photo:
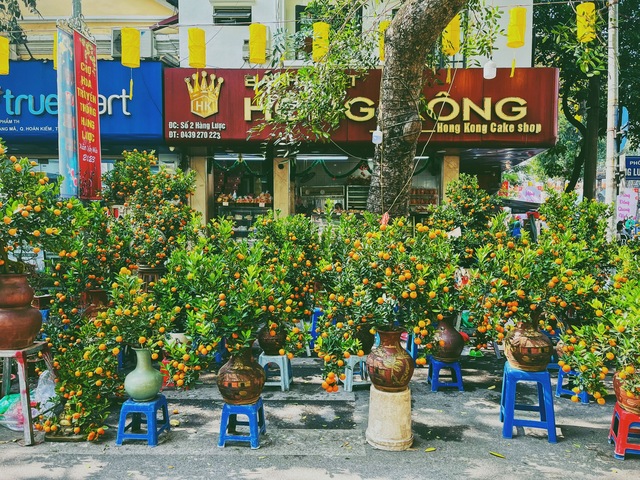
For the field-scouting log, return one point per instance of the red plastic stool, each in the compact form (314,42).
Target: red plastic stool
(624,425)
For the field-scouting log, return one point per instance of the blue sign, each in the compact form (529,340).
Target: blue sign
(29,103)
(632,171)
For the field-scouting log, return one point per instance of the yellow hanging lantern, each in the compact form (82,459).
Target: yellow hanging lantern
(257,43)
(517,27)
(197,48)
(451,41)
(4,56)
(451,37)
(586,20)
(381,29)
(320,41)
(130,40)
(55,50)
(516,31)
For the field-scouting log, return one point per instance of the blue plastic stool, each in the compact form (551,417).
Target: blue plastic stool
(433,377)
(412,348)
(150,411)
(315,316)
(508,404)
(355,365)
(229,420)
(284,366)
(624,425)
(560,390)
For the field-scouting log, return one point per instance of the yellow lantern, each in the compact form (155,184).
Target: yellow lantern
(516,31)
(381,29)
(130,41)
(586,20)
(451,37)
(257,43)
(197,48)
(55,50)
(517,27)
(320,41)
(4,56)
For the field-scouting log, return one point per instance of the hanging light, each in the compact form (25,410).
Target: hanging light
(4,56)
(55,50)
(381,29)
(197,48)
(516,31)
(451,41)
(257,43)
(490,70)
(130,43)
(586,20)
(320,41)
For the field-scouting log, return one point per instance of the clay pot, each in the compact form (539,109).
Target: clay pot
(527,348)
(42,302)
(389,365)
(93,302)
(448,341)
(628,403)
(19,321)
(269,344)
(241,379)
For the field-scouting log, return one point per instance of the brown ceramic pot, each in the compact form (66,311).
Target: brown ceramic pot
(271,344)
(527,348)
(389,365)
(93,302)
(448,343)
(627,402)
(241,379)
(19,321)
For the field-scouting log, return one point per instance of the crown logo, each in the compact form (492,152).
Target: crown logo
(204,94)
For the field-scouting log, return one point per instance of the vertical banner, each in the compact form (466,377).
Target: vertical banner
(68,158)
(627,204)
(88,120)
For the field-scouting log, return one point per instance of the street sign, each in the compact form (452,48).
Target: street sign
(632,170)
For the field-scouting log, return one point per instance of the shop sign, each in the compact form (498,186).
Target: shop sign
(632,171)
(210,106)
(87,120)
(29,103)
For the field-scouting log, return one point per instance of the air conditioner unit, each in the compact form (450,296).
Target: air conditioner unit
(245,48)
(147,43)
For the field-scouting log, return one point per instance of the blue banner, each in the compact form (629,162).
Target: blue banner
(66,115)
(29,103)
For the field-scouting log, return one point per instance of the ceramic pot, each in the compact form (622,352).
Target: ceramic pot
(448,342)
(271,344)
(630,403)
(19,322)
(144,382)
(241,379)
(389,365)
(93,302)
(527,348)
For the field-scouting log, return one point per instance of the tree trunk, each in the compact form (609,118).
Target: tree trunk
(408,40)
(591,140)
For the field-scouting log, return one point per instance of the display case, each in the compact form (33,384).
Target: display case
(357,196)
(421,198)
(243,214)
(315,197)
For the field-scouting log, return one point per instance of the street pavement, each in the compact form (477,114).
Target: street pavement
(314,435)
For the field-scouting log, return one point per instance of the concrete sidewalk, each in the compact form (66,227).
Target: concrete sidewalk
(314,435)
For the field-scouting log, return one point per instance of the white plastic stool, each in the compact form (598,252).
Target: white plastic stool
(353,364)
(284,364)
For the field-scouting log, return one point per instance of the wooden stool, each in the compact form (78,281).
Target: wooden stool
(20,356)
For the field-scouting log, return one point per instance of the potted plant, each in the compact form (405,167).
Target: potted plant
(34,218)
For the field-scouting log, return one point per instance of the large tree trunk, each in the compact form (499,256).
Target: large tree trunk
(410,37)
(591,140)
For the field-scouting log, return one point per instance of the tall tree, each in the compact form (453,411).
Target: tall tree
(10,14)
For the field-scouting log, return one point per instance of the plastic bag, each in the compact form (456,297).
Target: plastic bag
(13,418)
(45,392)
(7,401)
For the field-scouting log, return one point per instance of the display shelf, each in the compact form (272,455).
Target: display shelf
(421,198)
(243,214)
(357,196)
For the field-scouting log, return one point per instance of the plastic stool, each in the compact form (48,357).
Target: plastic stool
(624,425)
(355,364)
(433,377)
(283,363)
(150,411)
(560,390)
(256,423)
(412,348)
(508,404)
(315,316)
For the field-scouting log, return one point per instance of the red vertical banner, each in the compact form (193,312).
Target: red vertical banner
(87,117)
